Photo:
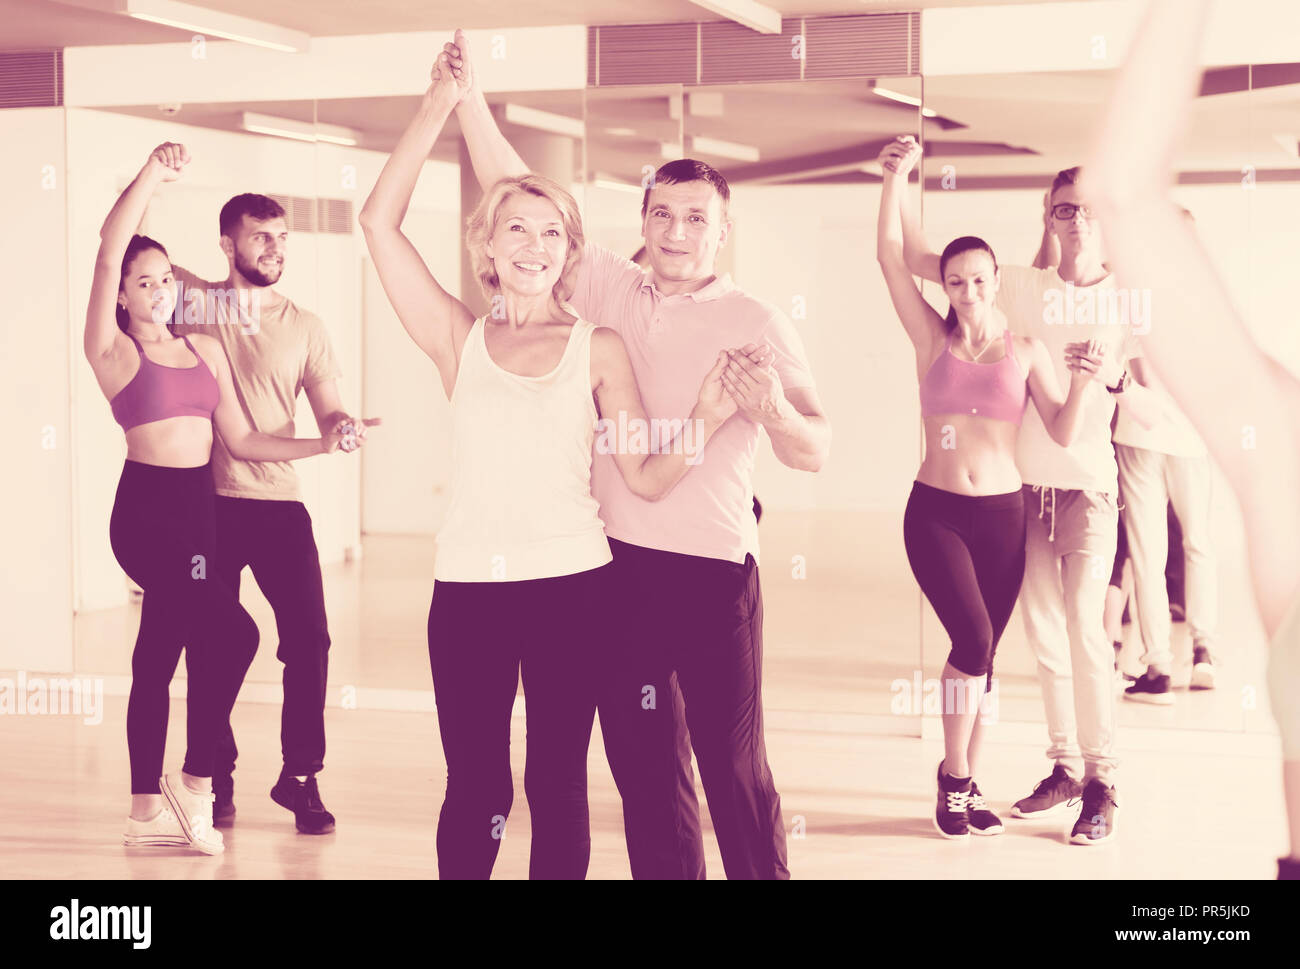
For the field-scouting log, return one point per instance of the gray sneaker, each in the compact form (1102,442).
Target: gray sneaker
(1050,796)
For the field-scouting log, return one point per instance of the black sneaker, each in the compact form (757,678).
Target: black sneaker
(303,799)
(982,820)
(1202,669)
(1052,794)
(223,804)
(950,818)
(1096,823)
(1151,689)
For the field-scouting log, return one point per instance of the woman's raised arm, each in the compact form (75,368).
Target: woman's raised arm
(436,320)
(923,325)
(102,335)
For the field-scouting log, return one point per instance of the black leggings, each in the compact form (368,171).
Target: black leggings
(162,534)
(968,555)
(481,634)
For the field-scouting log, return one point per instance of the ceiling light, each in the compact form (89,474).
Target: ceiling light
(202,20)
(723,149)
(559,124)
(268,124)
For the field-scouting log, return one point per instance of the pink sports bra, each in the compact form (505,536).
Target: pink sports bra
(158,392)
(956,386)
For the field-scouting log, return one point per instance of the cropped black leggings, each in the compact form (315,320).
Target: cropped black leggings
(482,637)
(163,536)
(968,555)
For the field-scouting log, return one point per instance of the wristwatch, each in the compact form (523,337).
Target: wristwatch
(1124,380)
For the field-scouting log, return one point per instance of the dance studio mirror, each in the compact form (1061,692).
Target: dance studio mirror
(993,144)
(319,158)
(800,157)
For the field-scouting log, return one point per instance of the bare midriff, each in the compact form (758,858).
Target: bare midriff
(174,442)
(970,455)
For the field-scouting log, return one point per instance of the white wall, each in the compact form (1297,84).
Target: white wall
(816,244)
(36,486)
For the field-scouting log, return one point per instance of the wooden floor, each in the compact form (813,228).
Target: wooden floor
(858,802)
(1199,788)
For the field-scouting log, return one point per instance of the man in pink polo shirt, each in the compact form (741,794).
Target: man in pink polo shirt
(685,657)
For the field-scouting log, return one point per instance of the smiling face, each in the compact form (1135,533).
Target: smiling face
(684,228)
(257,249)
(529,245)
(970,281)
(148,291)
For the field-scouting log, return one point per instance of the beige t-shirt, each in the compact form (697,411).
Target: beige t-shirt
(272,358)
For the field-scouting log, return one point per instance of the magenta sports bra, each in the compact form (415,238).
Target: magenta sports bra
(158,392)
(956,386)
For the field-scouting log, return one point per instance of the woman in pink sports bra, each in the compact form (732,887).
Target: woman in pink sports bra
(964,527)
(168,394)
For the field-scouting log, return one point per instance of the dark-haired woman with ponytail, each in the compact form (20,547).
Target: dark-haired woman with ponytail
(168,398)
(964,527)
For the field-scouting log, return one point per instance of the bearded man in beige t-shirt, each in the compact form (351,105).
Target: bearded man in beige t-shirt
(276,350)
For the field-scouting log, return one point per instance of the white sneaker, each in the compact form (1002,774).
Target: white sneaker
(1202,669)
(194,811)
(162,830)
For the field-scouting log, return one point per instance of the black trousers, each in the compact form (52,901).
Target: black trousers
(275,540)
(162,534)
(681,667)
(482,635)
(968,555)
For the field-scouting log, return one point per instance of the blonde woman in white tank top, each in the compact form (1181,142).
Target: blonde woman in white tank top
(1201,348)
(522,552)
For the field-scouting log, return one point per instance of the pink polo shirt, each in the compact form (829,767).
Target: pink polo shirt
(673,341)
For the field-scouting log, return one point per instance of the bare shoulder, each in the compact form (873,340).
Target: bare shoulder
(608,357)
(606,342)
(208,347)
(1029,350)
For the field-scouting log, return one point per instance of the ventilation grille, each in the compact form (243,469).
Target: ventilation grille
(731,53)
(303,214)
(880,45)
(723,52)
(31,78)
(647,54)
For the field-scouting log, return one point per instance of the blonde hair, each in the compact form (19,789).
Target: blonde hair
(483,223)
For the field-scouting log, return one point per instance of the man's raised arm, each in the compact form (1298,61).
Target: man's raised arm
(491,155)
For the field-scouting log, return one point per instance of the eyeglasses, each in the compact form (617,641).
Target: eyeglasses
(1065,211)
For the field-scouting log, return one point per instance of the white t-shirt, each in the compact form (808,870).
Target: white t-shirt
(1039,303)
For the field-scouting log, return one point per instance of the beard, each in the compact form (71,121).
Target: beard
(254,275)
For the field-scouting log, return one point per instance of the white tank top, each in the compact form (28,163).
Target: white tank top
(521,504)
